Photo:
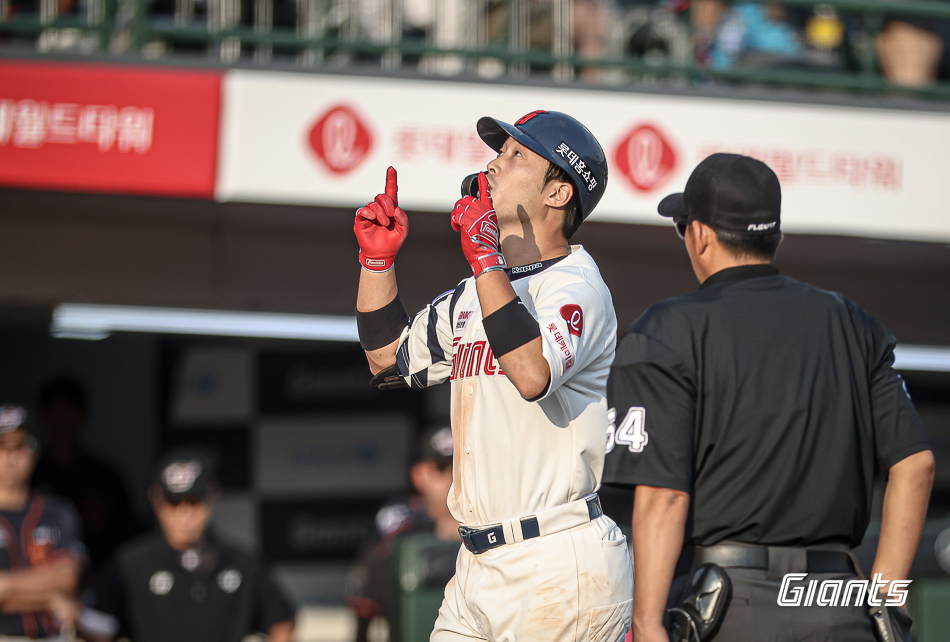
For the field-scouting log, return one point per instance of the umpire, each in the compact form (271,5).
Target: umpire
(752,416)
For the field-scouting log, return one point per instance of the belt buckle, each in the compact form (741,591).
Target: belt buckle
(466,534)
(594,509)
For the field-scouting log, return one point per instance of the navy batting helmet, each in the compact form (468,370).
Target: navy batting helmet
(562,140)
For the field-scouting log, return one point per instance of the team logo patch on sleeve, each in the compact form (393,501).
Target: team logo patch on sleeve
(574,317)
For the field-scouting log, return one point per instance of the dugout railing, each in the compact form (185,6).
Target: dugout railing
(315,34)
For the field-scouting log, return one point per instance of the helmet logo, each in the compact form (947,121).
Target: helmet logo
(340,139)
(521,121)
(580,166)
(645,158)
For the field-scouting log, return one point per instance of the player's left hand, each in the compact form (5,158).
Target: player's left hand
(476,220)
(381,228)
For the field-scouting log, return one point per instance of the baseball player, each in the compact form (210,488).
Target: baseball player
(526,342)
(41,554)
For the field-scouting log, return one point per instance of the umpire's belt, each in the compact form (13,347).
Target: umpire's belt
(756,556)
(553,520)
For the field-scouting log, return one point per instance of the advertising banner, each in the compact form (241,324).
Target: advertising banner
(327,140)
(333,455)
(98,128)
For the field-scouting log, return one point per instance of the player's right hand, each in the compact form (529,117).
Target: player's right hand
(381,228)
(477,222)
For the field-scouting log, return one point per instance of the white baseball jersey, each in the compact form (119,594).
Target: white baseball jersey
(515,457)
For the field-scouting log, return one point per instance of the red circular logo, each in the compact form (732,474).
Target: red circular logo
(645,158)
(340,139)
(574,317)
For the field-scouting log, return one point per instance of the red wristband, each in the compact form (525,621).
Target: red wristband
(489,262)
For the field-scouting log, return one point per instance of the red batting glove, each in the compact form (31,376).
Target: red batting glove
(381,227)
(475,219)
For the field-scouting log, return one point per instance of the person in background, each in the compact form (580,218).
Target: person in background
(41,554)
(909,50)
(183,583)
(65,469)
(752,34)
(424,512)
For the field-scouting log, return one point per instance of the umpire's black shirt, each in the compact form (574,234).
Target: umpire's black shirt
(217,593)
(771,402)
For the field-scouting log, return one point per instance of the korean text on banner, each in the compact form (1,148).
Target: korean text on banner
(92,128)
(327,140)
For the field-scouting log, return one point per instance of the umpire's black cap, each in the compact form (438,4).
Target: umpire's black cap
(187,473)
(729,192)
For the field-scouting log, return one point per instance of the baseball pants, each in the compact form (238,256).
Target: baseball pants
(574,585)
(754,614)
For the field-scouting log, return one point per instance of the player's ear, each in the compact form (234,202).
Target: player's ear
(559,193)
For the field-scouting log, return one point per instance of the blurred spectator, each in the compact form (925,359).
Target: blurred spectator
(753,34)
(910,51)
(67,470)
(705,16)
(444,24)
(425,512)
(183,583)
(41,555)
(589,28)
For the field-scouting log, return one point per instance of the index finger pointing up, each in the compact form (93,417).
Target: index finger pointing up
(391,188)
(483,194)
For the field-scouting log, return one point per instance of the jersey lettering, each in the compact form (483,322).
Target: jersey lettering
(562,346)
(478,350)
(473,359)
(611,429)
(491,366)
(632,430)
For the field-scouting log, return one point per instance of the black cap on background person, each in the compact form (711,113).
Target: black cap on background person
(187,474)
(436,445)
(14,428)
(730,193)
(728,215)
(183,496)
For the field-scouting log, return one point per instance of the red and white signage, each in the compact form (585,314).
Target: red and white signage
(340,139)
(645,158)
(327,140)
(108,129)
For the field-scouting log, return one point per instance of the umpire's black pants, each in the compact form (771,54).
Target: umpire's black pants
(754,615)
